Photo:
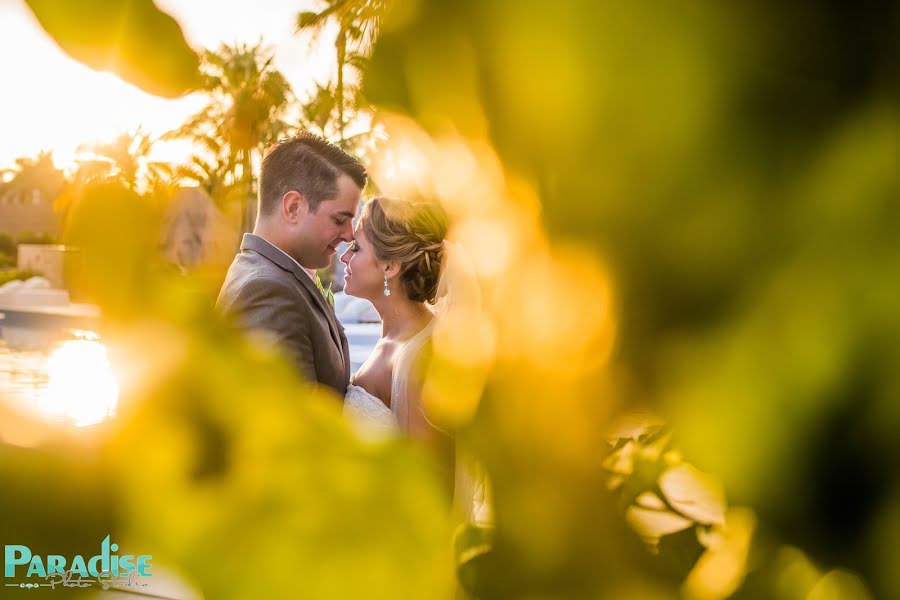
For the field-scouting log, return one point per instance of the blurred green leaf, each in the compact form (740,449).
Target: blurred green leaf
(251,484)
(472,546)
(132,38)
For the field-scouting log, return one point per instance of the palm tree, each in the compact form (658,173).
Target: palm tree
(317,112)
(125,159)
(359,22)
(32,179)
(247,101)
(209,169)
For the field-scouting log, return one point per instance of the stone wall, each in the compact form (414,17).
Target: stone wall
(32,215)
(50,261)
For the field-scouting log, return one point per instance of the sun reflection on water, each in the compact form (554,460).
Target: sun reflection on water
(69,381)
(81,387)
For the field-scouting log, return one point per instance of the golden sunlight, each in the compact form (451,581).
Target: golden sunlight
(58,104)
(62,104)
(82,387)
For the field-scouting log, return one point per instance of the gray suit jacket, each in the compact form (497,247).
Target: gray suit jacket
(266,290)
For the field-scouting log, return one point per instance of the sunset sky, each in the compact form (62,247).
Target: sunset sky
(51,102)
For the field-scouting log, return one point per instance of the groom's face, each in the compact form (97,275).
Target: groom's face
(319,232)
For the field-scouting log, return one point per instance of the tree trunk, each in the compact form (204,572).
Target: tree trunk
(248,211)
(341,45)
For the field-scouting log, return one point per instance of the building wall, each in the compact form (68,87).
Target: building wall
(50,261)
(34,215)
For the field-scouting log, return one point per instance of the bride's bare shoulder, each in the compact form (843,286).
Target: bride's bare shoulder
(375,374)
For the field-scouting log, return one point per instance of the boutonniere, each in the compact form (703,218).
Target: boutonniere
(327,293)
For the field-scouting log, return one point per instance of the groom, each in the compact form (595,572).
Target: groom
(309,191)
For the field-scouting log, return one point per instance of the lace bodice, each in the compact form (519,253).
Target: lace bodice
(367,414)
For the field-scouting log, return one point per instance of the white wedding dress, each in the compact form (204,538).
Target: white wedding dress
(459,300)
(373,420)
(367,414)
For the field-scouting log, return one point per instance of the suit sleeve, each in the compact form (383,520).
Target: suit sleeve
(271,306)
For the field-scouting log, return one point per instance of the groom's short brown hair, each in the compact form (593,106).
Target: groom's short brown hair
(308,164)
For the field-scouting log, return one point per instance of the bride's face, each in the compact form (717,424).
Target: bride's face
(364,275)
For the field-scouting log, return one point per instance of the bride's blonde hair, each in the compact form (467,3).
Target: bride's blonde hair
(411,233)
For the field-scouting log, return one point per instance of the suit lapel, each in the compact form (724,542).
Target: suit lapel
(323,305)
(345,352)
(277,256)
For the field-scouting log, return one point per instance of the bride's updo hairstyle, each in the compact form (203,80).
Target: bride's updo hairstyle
(411,233)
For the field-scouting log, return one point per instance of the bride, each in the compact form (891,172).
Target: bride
(395,262)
